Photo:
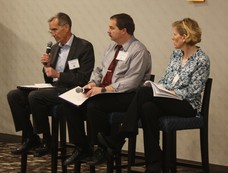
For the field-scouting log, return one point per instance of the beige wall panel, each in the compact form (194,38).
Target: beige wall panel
(23,32)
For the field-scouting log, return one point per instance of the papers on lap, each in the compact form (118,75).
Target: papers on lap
(160,91)
(35,86)
(74,97)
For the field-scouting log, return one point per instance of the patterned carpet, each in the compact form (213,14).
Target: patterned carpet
(11,163)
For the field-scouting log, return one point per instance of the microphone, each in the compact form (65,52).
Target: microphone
(49,44)
(48,49)
(79,89)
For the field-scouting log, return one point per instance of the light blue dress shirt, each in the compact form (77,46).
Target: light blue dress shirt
(62,56)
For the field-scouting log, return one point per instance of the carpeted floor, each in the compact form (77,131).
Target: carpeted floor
(11,163)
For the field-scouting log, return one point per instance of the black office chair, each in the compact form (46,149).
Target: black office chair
(169,125)
(58,125)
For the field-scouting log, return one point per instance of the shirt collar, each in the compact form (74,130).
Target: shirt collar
(68,43)
(127,44)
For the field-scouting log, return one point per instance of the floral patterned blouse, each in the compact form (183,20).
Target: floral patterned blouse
(188,80)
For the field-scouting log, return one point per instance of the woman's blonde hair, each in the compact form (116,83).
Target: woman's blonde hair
(190,28)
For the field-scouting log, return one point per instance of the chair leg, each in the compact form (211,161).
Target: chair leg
(173,153)
(166,152)
(92,169)
(131,152)
(118,163)
(24,156)
(110,164)
(63,142)
(115,158)
(58,126)
(77,167)
(54,148)
(204,149)
(169,152)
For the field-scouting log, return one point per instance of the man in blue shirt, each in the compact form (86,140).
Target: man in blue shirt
(69,64)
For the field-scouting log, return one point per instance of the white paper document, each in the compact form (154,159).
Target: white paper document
(160,91)
(74,97)
(35,86)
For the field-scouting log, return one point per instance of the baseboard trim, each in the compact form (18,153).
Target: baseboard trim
(214,168)
(9,138)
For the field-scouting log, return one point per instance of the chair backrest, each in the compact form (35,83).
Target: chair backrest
(206,100)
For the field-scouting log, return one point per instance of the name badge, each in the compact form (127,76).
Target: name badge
(122,56)
(73,64)
(175,79)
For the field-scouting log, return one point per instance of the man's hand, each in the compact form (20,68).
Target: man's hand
(50,72)
(93,91)
(96,90)
(46,59)
(89,85)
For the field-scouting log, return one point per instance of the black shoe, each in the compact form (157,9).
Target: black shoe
(77,155)
(43,149)
(29,144)
(100,155)
(112,145)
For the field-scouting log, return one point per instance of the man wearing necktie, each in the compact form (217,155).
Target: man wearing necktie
(124,68)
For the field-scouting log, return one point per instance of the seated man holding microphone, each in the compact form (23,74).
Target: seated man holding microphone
(69,64)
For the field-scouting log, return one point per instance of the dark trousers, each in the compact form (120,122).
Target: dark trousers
(38,103)
(148,108)
(95,111)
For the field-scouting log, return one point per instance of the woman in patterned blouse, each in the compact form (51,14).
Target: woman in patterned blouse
(186,75)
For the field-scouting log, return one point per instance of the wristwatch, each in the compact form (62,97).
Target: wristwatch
(103,90)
